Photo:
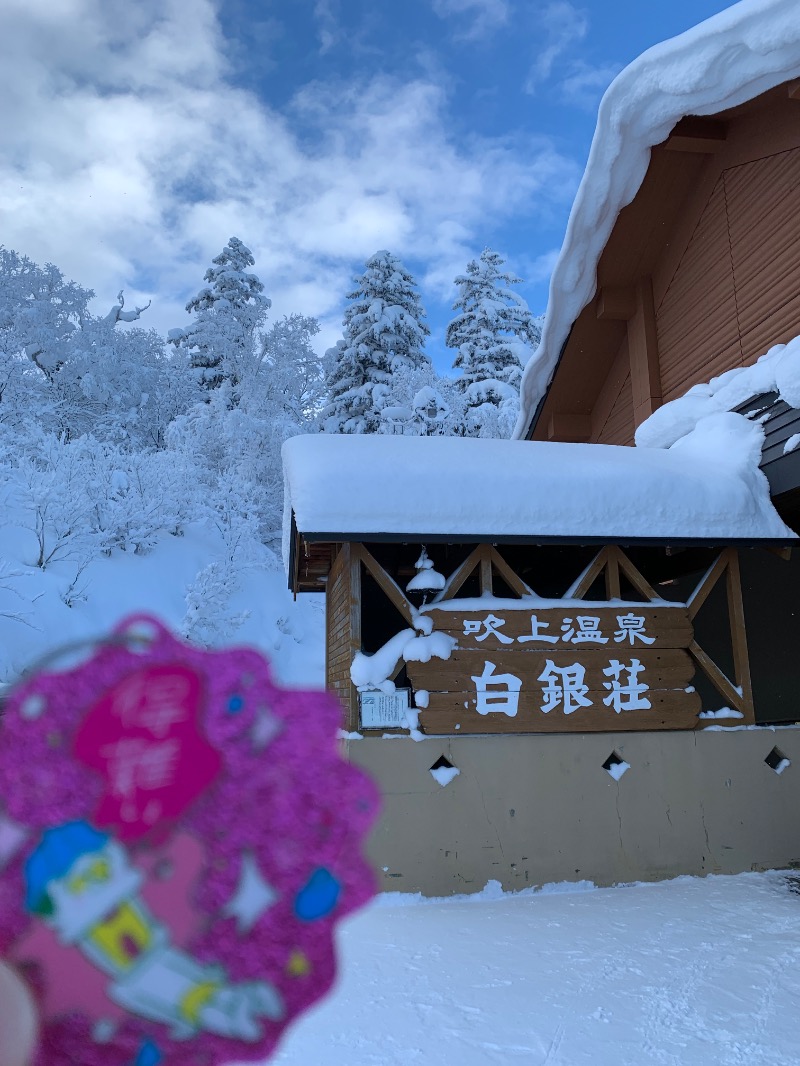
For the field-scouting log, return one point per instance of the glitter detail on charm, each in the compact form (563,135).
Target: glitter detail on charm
(149,1055)
(253,896)
(298,965)
(235,704)
(33,707)
(317,898)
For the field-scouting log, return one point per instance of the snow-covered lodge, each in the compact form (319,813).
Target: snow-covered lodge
(572,655)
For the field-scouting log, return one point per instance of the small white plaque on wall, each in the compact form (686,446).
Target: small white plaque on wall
(384,710)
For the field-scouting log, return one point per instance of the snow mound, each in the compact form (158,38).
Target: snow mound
(777,371)
(726,60)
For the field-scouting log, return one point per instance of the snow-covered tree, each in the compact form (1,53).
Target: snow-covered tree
(384,334)
(291,371)
(228,312)
(421,403)
(494,335)
(39,309)
(120,385)
(73,372)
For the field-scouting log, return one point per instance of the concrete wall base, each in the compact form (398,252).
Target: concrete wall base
(530,810)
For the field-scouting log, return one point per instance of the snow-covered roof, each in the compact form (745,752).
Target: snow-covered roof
(707,486)
(725,61)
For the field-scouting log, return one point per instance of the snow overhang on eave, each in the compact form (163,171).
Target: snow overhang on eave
(536,539)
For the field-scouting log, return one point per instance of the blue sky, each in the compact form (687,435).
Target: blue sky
(142,136)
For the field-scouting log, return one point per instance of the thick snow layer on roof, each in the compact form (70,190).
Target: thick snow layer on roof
(707,486)
(725,61)
(777,371)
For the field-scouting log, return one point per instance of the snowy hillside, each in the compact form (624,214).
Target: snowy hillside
(258,610)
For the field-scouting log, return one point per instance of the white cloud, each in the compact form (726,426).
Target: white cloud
(584,84)
(560,25)
(328,29)
(540,268)
(128,159)
(477,18)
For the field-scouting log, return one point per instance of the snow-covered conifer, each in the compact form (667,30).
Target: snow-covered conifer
(494,335)
(384,333)
(228,313)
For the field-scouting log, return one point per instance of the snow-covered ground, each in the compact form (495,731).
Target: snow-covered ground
(684,972)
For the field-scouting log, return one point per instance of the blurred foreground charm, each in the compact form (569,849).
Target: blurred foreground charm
(178,838)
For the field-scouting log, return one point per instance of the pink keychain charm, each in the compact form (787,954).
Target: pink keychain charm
(178,839)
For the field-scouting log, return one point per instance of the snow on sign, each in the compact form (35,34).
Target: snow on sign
(579,667)
(384,710)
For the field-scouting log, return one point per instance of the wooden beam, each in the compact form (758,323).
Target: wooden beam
(388,585)
(643,354)
(720,682)
(458,577)
(585,580)
(616,303)
(793,89)
(352,560)
(782,553)
(296,567)
(707,583)
(569,426)
(694,134)
(639,582)
(487,587)
(514,582)
(741,659)
(612,575)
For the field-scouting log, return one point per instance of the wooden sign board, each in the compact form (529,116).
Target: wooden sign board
(578,668)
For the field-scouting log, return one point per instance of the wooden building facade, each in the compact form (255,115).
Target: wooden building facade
(698,276)
(556,650)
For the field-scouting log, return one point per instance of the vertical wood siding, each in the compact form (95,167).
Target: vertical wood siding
(698,334)
(763,201)
(618,426)
(735,292)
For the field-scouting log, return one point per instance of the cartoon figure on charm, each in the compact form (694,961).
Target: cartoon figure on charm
(81,882)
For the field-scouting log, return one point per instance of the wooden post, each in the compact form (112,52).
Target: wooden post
(612,575)
(487,586)
(643,353)
(354,590)
(741,659)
